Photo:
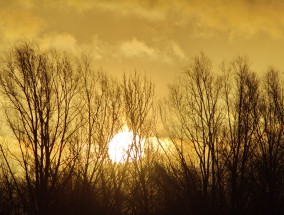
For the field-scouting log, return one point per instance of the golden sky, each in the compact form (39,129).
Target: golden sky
(156,37)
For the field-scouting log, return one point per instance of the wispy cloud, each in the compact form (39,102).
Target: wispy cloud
(136,48)
(176,50)
(151,10)
(62,41)
(164,51)
(240,19)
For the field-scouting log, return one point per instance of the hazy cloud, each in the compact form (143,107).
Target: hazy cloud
(162,30)
(240,19)
(176,50)
(136,48)
(62,41)
(19,24)
(98,49)
(27,4)
(164,51)
(149,9)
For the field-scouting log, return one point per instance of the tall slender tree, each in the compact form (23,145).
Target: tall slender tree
(242,101)
(40,93)
(196,105)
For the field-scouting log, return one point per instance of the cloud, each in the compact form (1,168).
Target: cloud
(176,50)
(144,9)
(136,48)
(18,24)
(18,4)
(61,41)
(27,4)
(98,49)
(163,51)
(242,19)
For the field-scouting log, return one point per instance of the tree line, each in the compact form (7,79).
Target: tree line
(214,145)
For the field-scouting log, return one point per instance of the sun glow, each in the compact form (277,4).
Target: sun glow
(124,147)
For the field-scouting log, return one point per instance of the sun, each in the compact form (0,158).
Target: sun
(124,147)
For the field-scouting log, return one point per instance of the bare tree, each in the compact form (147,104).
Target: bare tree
(101,117)
(221,152)
(196,106)
(242,123)
(139,113)
(40,93)
(270,153)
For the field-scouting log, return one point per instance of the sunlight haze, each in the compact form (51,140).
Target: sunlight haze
(155,37)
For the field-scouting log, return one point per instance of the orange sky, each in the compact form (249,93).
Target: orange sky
(156,37)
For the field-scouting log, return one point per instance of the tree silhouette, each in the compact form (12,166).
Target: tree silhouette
(243,120)
(269,153)
(40,90)
(218,150)
(196,103)
(138,100)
